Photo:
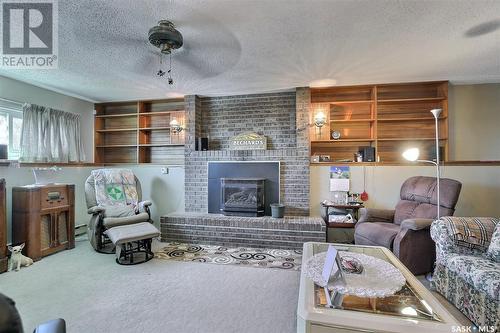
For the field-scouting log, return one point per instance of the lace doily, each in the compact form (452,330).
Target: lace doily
(378,279)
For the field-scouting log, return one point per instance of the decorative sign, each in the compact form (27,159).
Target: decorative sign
(248,141)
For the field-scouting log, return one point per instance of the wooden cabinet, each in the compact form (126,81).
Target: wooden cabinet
(388,117)
(43,217)
(3,228)
(139,132)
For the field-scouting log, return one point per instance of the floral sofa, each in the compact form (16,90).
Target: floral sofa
(468,277)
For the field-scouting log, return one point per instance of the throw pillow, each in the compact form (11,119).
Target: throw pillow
(471,232)
(493,252)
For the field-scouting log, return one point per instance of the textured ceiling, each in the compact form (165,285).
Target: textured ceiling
(246,46)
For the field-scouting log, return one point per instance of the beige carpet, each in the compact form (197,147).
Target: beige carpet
(94,294)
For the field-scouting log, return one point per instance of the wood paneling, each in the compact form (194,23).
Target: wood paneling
(410,91)
(352,130)
(129,121)
(341,94)
(407,110)
(119,154)
(120,138)
(162,154)
(352,111)
(391,151)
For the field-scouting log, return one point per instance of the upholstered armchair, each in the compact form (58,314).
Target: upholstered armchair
(406,229)
(114,198)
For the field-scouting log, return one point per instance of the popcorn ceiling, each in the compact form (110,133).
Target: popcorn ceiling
(245,46)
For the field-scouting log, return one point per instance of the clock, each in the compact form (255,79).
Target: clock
(335,135)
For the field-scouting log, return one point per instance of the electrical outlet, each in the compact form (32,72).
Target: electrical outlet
(164,170)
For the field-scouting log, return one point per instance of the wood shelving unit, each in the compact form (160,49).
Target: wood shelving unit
(388,117)
(139,132)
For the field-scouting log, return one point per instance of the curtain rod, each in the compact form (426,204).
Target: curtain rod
(10,101)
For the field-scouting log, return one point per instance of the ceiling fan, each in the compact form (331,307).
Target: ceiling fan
(165,37)
(201,47)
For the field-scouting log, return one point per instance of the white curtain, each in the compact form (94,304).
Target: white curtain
(50,135)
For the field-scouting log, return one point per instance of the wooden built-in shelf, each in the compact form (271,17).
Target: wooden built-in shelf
(114,146)
(117,130)
(409,119)
(161,145)
(410,139)
(409,100)
(155,113)
(350,120)
(343,140)
(116,115)
(387,117)
(139,132)
(154,128)
(351,102)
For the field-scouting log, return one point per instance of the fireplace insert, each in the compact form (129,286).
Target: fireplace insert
(242,196)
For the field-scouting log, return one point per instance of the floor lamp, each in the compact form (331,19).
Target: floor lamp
(412,154)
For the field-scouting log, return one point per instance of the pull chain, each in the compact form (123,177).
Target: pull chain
(160,72)
(170,80)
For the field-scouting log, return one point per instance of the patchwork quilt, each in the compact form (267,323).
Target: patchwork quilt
(115,187)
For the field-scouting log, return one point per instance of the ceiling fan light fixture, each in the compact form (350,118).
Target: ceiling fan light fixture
(165,37)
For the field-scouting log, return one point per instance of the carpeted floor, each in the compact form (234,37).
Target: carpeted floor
(94,294)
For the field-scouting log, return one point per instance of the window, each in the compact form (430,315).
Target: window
(11,121)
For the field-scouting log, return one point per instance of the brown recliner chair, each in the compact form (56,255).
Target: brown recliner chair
(405,230)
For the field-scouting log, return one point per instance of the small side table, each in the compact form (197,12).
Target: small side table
(340,232)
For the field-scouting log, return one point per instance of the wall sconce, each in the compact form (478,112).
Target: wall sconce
(319,120)
(175,126)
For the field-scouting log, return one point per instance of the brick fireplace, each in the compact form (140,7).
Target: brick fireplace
(282,117)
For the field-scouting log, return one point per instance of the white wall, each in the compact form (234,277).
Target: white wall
(165,190)
(480,195)
(23,92)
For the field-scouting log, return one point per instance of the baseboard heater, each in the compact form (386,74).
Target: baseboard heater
(80,229)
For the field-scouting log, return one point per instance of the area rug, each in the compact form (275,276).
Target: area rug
(242,256)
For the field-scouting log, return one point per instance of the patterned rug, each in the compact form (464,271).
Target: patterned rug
(242,256)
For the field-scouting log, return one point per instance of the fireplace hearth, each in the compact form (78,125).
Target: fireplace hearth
(242,196)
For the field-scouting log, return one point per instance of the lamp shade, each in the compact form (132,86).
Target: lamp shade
(411,154)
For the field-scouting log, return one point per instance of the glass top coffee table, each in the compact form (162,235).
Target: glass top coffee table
(412,309)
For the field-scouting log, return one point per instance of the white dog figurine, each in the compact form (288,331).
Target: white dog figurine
(17,259)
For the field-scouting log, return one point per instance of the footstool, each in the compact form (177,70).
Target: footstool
(133,239)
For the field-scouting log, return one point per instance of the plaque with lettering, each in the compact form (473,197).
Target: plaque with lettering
(248,141)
